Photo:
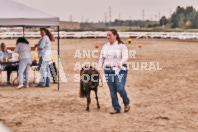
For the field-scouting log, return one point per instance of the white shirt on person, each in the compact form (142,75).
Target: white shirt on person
(2,54)
(44,48)
(113,55)
(24,51)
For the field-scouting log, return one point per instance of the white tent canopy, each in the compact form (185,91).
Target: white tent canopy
(16,14)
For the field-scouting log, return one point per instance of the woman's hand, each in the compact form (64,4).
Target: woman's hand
(118,65)
(98,71)
(36,45)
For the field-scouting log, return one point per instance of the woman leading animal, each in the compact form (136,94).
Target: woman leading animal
(113,56)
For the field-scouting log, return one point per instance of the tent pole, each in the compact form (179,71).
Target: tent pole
(58,59)
(23,31)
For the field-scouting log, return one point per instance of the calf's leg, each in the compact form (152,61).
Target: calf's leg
(88,99)
(97,99)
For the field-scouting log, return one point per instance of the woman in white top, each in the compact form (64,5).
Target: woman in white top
(113,56)
(44,52)
(25,60)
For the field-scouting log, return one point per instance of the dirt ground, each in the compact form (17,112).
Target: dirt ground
(161,100)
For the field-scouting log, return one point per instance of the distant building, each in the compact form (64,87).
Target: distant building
(69,25)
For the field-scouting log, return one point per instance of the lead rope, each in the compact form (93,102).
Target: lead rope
(101,81)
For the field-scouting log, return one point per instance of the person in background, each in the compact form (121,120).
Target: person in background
(52,66)
(44,52)
(25,60)
(113,56)
(8,68)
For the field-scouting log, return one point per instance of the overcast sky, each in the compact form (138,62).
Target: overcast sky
(95,10)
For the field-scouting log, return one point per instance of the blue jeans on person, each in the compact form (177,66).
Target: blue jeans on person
(45,72)
(116,84)
(24,65)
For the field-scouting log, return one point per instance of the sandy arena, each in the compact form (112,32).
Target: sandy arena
(161,100)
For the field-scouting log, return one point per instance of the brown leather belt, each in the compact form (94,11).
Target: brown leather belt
(111,67)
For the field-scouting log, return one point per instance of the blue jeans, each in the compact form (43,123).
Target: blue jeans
(24,66)
(45,72)
(116,84)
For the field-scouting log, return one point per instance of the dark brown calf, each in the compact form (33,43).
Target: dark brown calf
(89,80)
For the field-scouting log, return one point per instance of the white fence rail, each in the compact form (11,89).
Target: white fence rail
(100,34)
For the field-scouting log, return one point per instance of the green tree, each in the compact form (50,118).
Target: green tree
(182,15)
(163,21)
